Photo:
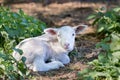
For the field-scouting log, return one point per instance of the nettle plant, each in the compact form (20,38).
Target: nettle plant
(107,66)
(10,69)
(15,27)
(107,22)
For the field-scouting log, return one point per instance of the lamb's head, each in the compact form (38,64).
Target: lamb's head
(66,35)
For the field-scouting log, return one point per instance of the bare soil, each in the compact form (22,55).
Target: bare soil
(67,13)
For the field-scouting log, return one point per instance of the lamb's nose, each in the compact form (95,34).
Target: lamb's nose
(66,45)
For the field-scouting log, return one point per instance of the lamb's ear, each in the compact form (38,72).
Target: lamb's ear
(80,28)
(52,31)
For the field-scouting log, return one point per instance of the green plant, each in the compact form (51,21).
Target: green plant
(107,66)
(15,27)
(12,69)
(107,22)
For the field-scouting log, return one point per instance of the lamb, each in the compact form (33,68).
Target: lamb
(54,46)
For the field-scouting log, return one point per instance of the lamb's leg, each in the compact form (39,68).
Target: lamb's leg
(64,58)
(40,65)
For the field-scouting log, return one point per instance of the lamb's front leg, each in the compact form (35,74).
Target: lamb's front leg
(40,65)
(64,58)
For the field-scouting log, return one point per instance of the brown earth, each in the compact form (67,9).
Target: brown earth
(71,13)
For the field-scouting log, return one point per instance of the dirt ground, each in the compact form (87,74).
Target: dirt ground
(67,13)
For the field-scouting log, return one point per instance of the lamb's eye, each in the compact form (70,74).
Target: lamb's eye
(73,34)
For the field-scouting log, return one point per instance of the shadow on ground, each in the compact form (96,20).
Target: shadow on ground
(69,17)
(48,2)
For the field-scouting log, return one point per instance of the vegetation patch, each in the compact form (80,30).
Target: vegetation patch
(15,27)
(107,66)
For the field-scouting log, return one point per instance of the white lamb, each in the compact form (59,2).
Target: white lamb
(54,46)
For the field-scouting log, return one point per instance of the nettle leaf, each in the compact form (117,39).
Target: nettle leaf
(4,56)
(116,55)
(101,57)
(4,34)
(115,60)
(105,46)
(94,62)
(2,67)
(115,37)
(107,39)
(100,29)
(15,27)
(92,16)
(24,23)
(23,59)
(21,12)
(99,74)
(116,9)
(18,50)
(115,45)
(10,67)
(110,26)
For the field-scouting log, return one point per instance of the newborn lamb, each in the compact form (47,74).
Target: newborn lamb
(54,46)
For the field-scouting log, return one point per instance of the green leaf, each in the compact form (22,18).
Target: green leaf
(2,66)
(15,27)
(116,55)
(23,59)
(102,58)
(115,37)
(15,15)
(115,45)
(100,29)
(116,9)
(21,12)
(18,50)
(94,62)
(91,16)
(10,67)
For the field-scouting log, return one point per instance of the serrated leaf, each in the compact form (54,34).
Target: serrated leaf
(115,37)
(10,67)
(100,29)
(18,50)
(21,12)
(15,15)
(115,45)
(116,55)
(94,62)
(2,56)
(101,57)
(2,66)
(91,16)
(116,9)
(23,59)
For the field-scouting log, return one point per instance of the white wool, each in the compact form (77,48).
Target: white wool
(54,46)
